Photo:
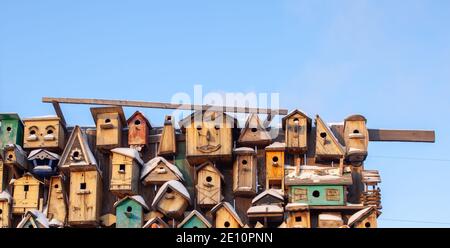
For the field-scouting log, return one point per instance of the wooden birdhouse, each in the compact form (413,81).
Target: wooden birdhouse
(5,209)
(27,192)
(34,219)
(138,130)
(130,212)
(208,185)
(158,170)
(125,171)
(172,199)
(267,208)
(167,144)
(254,132)
(109,123)
(330,220)
(356,137)
(15,157)
(44,132)
(365,218)
(298,215)
(3,174)
(208,136)
(275,166)
(225,216)
(156,222)
(296,126)
(195,220)
(57,201)
(11,130)
(328,147)
(45,163)
(244,171)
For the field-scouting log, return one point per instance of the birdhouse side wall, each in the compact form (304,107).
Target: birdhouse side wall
(109,130)
(274,169)
(124,181)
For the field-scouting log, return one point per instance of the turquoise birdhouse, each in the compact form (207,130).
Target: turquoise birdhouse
(11,130)
(130,212)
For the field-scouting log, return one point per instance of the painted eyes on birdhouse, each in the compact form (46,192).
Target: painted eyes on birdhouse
(33,131)
(50,130)
(107,121)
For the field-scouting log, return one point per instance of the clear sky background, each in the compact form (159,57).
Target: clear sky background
(387,60)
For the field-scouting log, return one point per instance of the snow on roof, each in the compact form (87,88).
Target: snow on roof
(358,215)
(153,220)
(5,196)
(276,146)
(244,150)
(230,209)
(198,215)
(37,151)
(41,117)
(293,206)
(175,185)
(38,217)
(55,222)
(139,199)
(129,152)
(335,124)
(261,209)
(153,163)
(332,217)
(271,192)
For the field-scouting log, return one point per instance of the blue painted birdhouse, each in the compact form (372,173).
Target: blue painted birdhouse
(130,212)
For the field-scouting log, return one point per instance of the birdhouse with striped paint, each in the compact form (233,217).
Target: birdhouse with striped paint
(109,123)
(208,185)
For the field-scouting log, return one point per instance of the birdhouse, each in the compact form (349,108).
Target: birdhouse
(138,130)
(156,222)
(45,163)
(254,132)
(225,216)
(267,207)
(328,147)
(365,218)
(356,137)
(27,192)
(195,220)
(298,215)
(208,185)
(3,174)
(57,201)
(5,209)
(44,132)
(172,199)
(275,166)
(125,171)
(11,130)
(330,220)
(109,122)
(34,219)
(85,197)
(15,157)
(158,170)
(268,197)
(130,212)
(167,144)
(296,126)
(244,171)
(208,136)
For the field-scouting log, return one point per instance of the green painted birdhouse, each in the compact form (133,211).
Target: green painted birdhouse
(11,130)
(130,212)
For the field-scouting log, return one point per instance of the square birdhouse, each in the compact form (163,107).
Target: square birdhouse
(11,130)
(15,157)
(130,212)
(275,166)
(138,130)
(225,216)
(254,132)
(44,163)
(46,132)
(167,145)
(57,201)
(296,126)
(158,170)
(172,199)
(328,147)
(5,209)
(27,192)
(109,123)
(125,171)
(298,215)
(365,218)
(356,137)
(195,220)
(244,171)
(208,185)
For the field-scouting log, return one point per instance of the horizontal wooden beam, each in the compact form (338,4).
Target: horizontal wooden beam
(401,135)
(159,105)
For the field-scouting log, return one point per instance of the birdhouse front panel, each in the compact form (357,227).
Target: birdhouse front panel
(109,130)
(254,132)
(57,202)
(368,222)
(224,219)
(208,186)
(129,214)
(124,175)
(298,219)
(167,144)
(44,132)
(11,130)
(244,174)
(296,131)
(5,214)
(138,130)
(327,145)
(275,170)
(356,136)
(26,194)
(317,195)
(159,175)
(172,204)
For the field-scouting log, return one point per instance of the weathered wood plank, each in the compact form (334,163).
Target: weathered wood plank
(401,135)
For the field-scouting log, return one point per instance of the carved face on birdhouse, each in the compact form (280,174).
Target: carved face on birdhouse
(44,132)
(138,129)
(208,185)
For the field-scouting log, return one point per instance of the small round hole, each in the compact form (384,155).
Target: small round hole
(244,162)
(323,134)
(296,121)
(137,122)
(275,159)
(32,132)
(129,209)
(356,131)
(226,224)
(107,120)
(10,156)
(199,128)
(169,190)
(316,193)
(56,186)
(367,224)
(217,127)
(1,211)
(8,129)
(208,179)
(76,154)
(254,130)
(49,131)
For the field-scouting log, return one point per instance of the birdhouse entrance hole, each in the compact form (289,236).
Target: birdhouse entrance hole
(298,219)
(356,131)
(10,156)
(254,130)
(323,135)
(56,186)
(129,209)
(107,120)
(137,122)
(367,224)
(122,167)
(208,179)
(275,159)
(26,188)
(316,193)
(82,185)
(226,224)
(1,211)
(8,129)
(244,162)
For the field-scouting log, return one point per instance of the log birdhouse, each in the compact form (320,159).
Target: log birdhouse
(356,137)
(158,170)
(11,130)
(125,171)
(208,185)
(130,212)
(328,147)
(330,220)
(225,216)
(254,132)
(15,157)
(172,199)
(275,166)
(34,219)
(45,163)
(156,222)
(298,215)
(195,220)
(44,132)
(5,209)
(208,136)
(365,218)
(57,202)
(244,171)
(296,126)
(109,123)
(168,145)
(267,207)
(27,192)
(138,130)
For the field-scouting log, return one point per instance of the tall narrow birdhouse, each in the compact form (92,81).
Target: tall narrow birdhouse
(356,137)
(34,219)
(156,222)
(44,132)
(158,170)
(195,220)
(57,201)
(15,157)
(298,215)
(3,174)
(125,171)
(328,147)
(45,163)
(172,199)
(365,218)
(244,171)
(208,136)
(296,126)
(109,123)
(254,132)
(11,130)
(138,130)
(225,216)
(208,185)
(27,192)
(330,220)
(130,212)
(5,209)
(275,166)
(167,144)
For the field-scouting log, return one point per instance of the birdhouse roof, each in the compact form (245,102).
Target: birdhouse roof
(26,174)
(294,112)
(210,164)
(296,206)
(313,179)
(137,198)
(153,163)
(40,153)
(206,114)
(5,196)
(265,209)
(129,152)
(330,132)
(37,216)
(10,147)
(110,109)
(268,192)
(329,216)
(193,214)
(230,210)
(276,146)
(153,220)
(142,115)
(356,118)
(42,118)
(360,215)
(174,185)
(249,124)
(244,150)
(9,116)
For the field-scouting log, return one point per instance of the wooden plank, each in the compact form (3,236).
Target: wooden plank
(59,113)
(401,135)
(160,105)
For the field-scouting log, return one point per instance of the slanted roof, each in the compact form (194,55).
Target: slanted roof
(296,206)
(137,198)
(294,112)
(142,115)
(43,154)
(330,133)
(265,209)
(205,115)
(110,109)
(200,167)
(244,151)
(9,116)
(269,192)
(360,215)
(37,216)
(5,196)
(197,214)
(356,118)
(25,175)
(153,220)
(42,118)
(129,152)
(230,210)
(250,124)
(174,185)
(276,146)
(153,163)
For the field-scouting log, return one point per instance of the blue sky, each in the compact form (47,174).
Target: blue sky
(387,60)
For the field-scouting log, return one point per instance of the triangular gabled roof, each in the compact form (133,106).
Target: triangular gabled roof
(269,192)
(25,175)
(153,163)
(143,117)
(174,185)
(37,216)
(157,220)
(206,115)
(209,163)
(193,214)
(360,215)
(295,111)
(230,210)
(137,198)
(109,109)
(129,152)
(43,154)
(321,124)
(253,124)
